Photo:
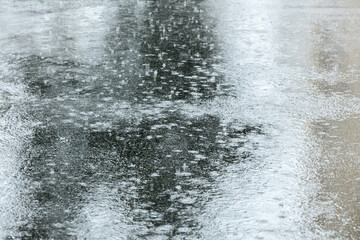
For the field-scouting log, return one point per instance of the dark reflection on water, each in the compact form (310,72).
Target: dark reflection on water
(170,55)
(109,125)
(51,77)
(177,49)
(162,158)
(161,168)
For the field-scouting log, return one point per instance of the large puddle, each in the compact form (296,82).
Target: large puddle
(179,119)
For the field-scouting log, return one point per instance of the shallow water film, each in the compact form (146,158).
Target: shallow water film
(179,119)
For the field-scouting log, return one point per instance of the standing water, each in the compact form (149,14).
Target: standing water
(182,119)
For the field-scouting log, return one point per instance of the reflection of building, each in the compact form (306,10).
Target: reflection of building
(160,168)
(172,53)
(333,44)
(333,163)
(335,169)
(325,46)
(166,162)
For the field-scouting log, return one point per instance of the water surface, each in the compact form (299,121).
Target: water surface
(179,119)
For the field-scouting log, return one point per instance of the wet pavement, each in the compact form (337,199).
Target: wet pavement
(179,119)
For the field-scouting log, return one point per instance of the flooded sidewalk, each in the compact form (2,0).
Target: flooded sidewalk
(179,119)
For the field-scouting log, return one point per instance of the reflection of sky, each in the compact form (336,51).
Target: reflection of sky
(12,203)
(286,90)
(75,31)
